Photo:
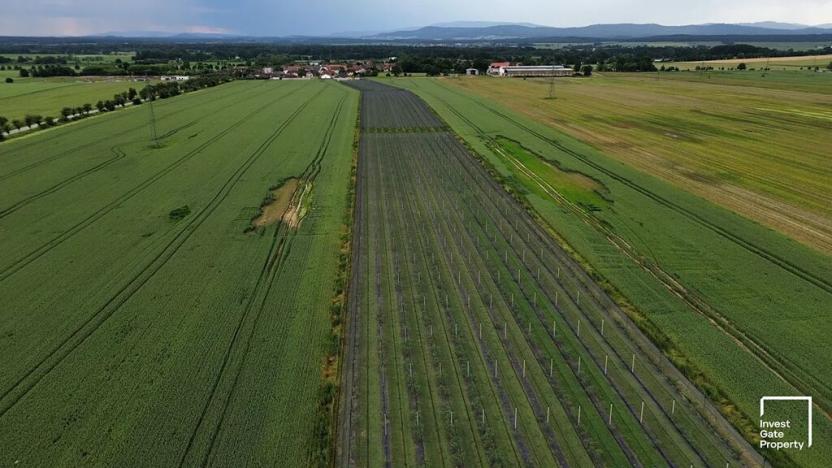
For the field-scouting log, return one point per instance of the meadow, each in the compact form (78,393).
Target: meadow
(774,63)
(145,319)
(737,307)
(757,146)
(474,339)
(47,96)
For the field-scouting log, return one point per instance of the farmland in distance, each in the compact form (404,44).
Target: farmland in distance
(473,338)
(142,308)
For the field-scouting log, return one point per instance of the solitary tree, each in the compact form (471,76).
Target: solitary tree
(9,79)
(587,70)
(829,67)
(131,93)
(741,66)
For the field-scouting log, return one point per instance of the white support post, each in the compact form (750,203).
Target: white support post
(606,358)
(633,364)
(515,417)
(579,416)
(524,368)
(641,414)
(609,420)
(547,414)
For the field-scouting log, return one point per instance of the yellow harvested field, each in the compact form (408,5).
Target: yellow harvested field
(761,152)
(781,62)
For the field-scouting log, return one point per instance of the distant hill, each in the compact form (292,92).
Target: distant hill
(595,31)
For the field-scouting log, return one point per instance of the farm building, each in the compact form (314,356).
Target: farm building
(174,77)
(529,71)
(494,68)
(472,71)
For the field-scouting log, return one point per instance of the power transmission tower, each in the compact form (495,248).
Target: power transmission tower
(153,136)
(552,84)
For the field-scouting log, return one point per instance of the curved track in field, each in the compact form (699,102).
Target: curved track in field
(11,396)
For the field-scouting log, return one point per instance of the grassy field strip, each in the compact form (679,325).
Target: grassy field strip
(152,364)
(279,248)
(33,376)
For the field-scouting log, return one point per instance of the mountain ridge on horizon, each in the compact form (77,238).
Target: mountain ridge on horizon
(493,30)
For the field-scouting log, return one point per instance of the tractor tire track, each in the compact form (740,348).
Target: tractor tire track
(278,250)
(24,384)
(27,259)
(118,154)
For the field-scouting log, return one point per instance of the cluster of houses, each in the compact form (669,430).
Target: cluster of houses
(357,69)
(319,70)
(506,69)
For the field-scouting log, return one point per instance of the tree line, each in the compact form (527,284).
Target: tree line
(150,92)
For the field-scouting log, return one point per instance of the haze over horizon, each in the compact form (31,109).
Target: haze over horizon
(297,17)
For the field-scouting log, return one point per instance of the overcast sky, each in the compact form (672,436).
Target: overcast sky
(287,17)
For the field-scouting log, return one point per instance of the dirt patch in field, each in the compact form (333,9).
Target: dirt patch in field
(298,206)
(278,206)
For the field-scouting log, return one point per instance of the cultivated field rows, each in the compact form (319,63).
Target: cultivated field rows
(474,339)
(736,303)
(187,334)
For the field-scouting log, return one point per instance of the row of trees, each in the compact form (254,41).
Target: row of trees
(150,92)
